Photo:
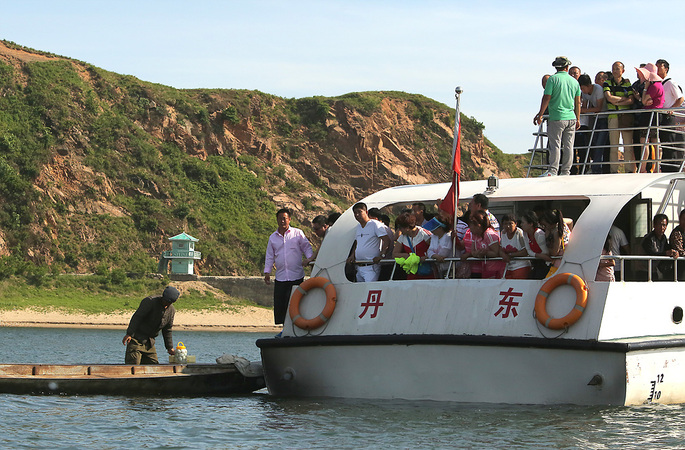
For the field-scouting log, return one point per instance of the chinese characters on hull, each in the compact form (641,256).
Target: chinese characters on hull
(507,305)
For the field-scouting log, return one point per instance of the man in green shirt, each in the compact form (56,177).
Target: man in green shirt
(562,97)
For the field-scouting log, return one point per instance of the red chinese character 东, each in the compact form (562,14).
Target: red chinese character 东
(508,303)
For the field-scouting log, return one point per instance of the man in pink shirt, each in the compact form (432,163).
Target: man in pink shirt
(285,249)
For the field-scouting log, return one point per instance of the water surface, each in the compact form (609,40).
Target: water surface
(262,421)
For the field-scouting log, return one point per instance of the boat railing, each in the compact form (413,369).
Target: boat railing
(646,260)
(665,131)
(647,263)
(453,262)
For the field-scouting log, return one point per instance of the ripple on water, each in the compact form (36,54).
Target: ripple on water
(261,421)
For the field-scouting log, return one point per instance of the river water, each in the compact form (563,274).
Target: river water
(261,421)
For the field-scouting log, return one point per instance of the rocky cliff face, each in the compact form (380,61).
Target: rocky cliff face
(118,149)
(359,155)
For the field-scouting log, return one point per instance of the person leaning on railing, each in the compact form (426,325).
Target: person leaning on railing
(652,98)
(482,241)
(535,245)
(605,270)
(552,221)
(618,93)
(512,244)
(655,243)
(593,102)
(677,242)
(673,98)
(562,96)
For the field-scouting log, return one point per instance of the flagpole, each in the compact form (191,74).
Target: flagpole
(455,176)
(457,128)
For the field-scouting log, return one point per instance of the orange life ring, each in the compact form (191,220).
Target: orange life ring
(301,291)
(547,288)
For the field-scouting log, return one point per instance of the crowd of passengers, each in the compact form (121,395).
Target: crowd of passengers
(611,90)
(541,233)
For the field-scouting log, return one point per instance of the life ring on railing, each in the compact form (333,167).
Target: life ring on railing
(301,291)
(547,288)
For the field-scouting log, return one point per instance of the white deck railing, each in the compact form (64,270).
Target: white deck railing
(669,140)
(620,261)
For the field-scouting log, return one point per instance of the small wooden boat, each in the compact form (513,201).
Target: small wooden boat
(125,379)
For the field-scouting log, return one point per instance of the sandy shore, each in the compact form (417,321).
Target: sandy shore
(245,318)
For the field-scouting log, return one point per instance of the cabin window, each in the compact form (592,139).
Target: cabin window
(571,209)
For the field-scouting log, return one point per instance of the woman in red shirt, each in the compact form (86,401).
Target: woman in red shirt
(482,241)
(416,240)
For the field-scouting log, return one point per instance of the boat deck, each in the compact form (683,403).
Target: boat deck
(661,148)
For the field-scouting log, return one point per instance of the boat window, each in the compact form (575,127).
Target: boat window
(570,209)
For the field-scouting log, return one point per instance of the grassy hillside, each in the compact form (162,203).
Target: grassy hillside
(98,170)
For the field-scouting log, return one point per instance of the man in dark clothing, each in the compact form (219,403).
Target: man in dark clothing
(154,314)
(655,243)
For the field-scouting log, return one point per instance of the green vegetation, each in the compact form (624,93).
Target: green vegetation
(514,165)
(98,170)
(97,294)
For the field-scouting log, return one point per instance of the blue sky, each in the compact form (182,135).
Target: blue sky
(497,51)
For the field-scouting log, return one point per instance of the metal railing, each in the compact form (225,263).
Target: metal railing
(667,138)
(449,274)
(649,268)
(620,260)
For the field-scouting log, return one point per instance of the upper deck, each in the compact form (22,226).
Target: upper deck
(656,139)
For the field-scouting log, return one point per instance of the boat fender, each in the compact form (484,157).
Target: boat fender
(301,291)
(541,301)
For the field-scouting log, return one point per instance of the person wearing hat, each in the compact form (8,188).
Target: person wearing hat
(562,96)
(154,314)
(652,98)
(441,245)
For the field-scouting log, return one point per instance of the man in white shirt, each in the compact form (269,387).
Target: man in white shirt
(371,244)
(618,244)
(673,98)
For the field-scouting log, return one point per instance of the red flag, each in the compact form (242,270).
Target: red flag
(448,204)
(456,152)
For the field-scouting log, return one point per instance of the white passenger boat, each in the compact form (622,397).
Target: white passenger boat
(480,340)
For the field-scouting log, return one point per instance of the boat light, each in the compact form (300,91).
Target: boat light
(493,183)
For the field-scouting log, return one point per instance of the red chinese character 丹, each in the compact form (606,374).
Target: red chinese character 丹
(373,301)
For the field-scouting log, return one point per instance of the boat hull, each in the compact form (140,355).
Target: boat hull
(119,379)
(472,369)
